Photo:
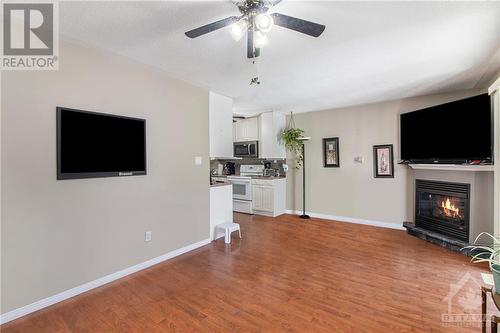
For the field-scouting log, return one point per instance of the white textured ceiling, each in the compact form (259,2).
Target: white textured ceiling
(369,52)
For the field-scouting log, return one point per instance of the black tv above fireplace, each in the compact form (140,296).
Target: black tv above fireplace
(91,144)
(453,133)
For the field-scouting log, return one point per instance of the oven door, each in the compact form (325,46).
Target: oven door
(242,188)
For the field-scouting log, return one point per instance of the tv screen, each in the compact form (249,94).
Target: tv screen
(91,144)
(455,132)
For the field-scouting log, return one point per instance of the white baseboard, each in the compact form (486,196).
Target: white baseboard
(350,220)
(43,303)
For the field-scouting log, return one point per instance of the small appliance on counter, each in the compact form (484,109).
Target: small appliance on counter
(229,168)
(269,172)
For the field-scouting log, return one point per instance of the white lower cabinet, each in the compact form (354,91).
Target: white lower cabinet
(269,196)
(263,198)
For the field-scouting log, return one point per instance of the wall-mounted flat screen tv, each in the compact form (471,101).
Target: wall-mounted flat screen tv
(455,132)
(91,144)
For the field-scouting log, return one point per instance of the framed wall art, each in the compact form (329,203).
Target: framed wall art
(383,158)
(331,158)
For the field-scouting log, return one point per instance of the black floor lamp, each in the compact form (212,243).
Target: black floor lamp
(304,140)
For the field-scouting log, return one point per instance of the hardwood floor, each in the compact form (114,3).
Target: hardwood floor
(285,275)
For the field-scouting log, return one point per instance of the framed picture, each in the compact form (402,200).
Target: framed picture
(331,157)
(383,158)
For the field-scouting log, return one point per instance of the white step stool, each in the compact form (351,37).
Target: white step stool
(228,228)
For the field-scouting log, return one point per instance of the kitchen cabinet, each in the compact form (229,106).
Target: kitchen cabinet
(272,125)
(263,198)
(220,119)
(269,196)
(246,130)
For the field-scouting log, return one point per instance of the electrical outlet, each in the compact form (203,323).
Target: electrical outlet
(147,236)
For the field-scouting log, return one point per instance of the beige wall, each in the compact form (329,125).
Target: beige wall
(60,234)
(351,190)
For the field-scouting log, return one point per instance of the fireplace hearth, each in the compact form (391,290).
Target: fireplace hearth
(443,208)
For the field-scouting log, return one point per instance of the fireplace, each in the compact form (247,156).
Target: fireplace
(443,207)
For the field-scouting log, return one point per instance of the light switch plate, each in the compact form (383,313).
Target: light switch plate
(198,160)
(359,159)
(147,236)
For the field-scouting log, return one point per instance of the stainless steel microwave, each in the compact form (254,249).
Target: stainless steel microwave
(246,149)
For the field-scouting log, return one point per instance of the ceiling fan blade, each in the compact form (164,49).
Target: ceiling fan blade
(212,27)
(299,25)
(272,3)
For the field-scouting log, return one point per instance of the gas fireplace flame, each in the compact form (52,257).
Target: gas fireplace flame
(449,209)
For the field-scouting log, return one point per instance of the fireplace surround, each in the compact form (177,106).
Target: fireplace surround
(443,207)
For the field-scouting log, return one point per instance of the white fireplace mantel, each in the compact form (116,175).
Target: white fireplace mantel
(452,167)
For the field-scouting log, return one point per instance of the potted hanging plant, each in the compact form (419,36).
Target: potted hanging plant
(291,139)
(488,253)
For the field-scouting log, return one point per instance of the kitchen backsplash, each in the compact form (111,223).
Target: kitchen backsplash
(275,163)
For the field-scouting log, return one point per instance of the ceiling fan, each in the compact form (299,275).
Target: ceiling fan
(256,21)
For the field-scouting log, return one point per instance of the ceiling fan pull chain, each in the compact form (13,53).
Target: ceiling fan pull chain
(255,69)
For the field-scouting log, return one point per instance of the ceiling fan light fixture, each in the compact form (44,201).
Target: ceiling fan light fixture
(264,22)
(238,29)
(260,40)
(254,22)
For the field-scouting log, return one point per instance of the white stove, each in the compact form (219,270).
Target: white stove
(242,187)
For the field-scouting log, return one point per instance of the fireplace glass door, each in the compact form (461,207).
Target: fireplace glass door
(443,208)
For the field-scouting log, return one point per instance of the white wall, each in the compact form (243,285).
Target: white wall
(60,234)
(351,191)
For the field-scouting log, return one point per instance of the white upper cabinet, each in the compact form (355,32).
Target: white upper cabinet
(266,128)
(246,129)
(271,126)
(220,121)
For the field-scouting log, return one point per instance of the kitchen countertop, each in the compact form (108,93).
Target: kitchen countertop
(253,177)
(268,177)
(220,184)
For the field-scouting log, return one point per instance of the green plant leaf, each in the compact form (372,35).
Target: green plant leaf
(290,139)
(492,251)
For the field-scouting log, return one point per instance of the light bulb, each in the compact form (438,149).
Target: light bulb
(260,40)
(264,22)
(238,29)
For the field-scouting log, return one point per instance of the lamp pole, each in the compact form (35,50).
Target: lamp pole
(304,215)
